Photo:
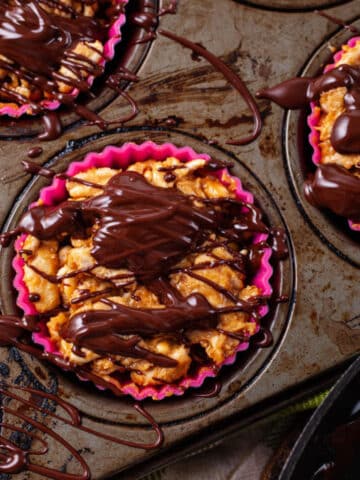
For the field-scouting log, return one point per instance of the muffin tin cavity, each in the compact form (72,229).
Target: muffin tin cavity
(131,53)
(294,5)
(235,378)
(332,230)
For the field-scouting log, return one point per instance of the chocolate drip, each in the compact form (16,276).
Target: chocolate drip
(338,21)
(99,330)
(15,331)
(282,299)
(35,169)
(230,76)
(335,188)
(210,390)
(217,164)
(174,224)
(171,8)
(145,228)
(169,177)
(15,459)
(52,127)
(263,338)
(299,92)
(34,297)
(35,152)
(279,243)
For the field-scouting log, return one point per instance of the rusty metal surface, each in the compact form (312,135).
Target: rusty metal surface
(319,328)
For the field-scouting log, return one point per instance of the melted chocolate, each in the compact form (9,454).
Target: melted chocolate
(335,188)
(279,243)
(299,92)
(35,152)
(173,121)
(52,127)
(15,459)
(34,297)
(338,21)
(99,330)
(282,299)
(230,76)
(211,389)
(263,338)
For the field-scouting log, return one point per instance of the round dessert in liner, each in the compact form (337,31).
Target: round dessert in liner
(325,113)
(160,278)
(75,48)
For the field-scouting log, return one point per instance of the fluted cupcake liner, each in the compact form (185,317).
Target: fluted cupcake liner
(16,111)
(122,157)
(314,117)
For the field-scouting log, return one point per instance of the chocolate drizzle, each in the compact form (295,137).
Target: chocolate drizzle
(176,225)
(211,389)
(338,21)
(34,152)
(230,76)
(335,188)
(15,459)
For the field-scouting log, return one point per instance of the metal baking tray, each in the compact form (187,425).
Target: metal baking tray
(318,330)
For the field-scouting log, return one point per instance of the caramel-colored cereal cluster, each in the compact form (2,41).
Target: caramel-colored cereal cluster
(332,106)
(88,283)
(43,258)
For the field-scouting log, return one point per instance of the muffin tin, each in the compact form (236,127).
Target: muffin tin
(187,103)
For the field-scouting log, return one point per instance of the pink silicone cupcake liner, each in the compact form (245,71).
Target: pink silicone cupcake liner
(314,118)
(122,157)
(13,110)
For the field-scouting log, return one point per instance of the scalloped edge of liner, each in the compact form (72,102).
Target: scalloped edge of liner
(14,111)
(314,117)
(122,157)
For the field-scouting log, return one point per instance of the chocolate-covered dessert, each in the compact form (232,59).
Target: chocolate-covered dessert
(148,275)
(334,98)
